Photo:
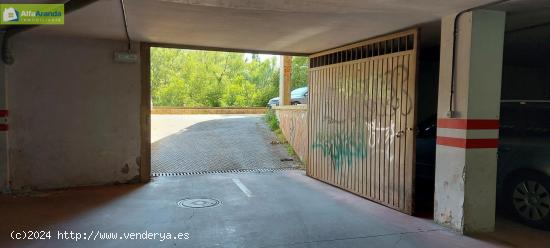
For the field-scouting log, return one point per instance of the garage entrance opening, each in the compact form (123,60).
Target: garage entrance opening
(208,111)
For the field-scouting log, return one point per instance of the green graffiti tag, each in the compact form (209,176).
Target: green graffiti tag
(382,95)
(342,148)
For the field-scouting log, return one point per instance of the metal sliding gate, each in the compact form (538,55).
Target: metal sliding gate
(362,111)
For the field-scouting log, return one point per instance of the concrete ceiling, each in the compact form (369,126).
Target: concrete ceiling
(279,26)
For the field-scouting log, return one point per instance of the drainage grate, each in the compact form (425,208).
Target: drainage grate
(200,202)
(261,170)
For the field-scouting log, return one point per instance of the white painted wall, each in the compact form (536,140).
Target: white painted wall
(74,113)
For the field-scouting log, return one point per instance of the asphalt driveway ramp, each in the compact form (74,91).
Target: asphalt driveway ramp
(214,143)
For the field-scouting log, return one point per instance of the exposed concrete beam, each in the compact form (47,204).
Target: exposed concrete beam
(222,49)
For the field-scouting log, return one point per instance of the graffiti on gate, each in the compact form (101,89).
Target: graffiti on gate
(368,109)
(392,94)
(341,148)
(381,138)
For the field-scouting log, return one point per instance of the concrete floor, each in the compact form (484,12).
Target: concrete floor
(198,143)
(284,208)
(274,209)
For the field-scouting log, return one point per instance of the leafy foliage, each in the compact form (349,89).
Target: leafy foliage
(299,72)
(271,120)
(217,79)
(273,124)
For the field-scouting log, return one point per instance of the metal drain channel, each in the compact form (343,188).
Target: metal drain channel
(262,170)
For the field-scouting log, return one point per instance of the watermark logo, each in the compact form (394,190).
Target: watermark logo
(32,14)
(10,15)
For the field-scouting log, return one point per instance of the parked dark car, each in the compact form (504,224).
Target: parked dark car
(523,179)
(297,96)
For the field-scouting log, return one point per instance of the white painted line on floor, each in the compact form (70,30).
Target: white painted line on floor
(243,188)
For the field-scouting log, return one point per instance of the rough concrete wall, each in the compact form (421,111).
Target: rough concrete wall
(74,113)
(293,124)
(206,110)
(450,164)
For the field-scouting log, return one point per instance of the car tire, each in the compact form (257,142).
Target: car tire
(295,103)
(527,197)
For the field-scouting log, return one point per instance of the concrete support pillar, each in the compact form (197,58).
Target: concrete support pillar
(468,121)
(4,168)
(284,80)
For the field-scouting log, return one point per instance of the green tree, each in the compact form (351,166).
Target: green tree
(299,72)
(216,79)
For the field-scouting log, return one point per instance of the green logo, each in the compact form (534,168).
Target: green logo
(32,14)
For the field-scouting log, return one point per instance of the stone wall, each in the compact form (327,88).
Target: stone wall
(207,110)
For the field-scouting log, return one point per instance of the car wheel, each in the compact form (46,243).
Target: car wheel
(528,198)
(295,103)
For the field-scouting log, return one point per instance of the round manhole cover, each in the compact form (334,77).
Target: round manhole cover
(198,202)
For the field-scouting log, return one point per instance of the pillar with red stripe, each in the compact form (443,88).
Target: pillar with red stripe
(467,133)
(468,120)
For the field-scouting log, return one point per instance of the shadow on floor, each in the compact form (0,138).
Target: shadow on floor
(58,210)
